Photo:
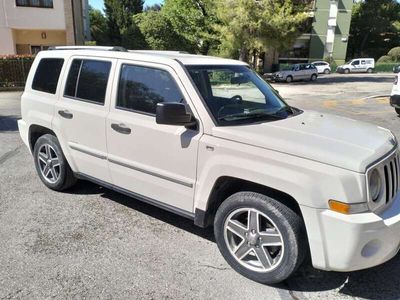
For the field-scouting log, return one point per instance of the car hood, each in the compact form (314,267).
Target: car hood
(329,139)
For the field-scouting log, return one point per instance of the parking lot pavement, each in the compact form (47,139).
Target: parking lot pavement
(90,242)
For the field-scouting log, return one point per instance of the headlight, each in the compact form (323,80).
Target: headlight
(375,185)
(279,75)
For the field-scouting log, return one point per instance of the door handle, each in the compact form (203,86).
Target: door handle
(121,128)
(65,114)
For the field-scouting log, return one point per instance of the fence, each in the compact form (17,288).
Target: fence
(14,70)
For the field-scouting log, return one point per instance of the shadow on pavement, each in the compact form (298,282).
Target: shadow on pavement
(8,123)
(381,282)
(86,188)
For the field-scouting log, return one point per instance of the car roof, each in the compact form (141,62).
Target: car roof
(163,57)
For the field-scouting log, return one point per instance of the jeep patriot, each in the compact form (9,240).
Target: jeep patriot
(209,139)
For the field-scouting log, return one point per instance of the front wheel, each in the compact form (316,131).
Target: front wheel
(346,71)
(327,71)
(259,237)
(289,79)
(51,165)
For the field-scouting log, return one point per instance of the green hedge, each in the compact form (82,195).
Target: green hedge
(14,70)
(385,67)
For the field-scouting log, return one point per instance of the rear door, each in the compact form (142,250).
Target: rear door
(157,162)
(81,112)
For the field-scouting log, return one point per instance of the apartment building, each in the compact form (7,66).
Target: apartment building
(28,26)
(325,35)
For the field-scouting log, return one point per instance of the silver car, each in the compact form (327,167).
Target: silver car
(297,72)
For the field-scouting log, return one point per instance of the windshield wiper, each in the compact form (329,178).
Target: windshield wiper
(256,115)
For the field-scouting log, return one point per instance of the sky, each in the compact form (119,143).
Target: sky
(99,3)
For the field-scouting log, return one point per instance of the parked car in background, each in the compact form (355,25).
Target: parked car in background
(395,95)
(322,66)
(297,72)
(396,69)
(358,65)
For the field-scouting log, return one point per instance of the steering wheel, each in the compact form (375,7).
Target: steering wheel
(237,99)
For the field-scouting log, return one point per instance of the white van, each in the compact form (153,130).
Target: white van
(357,65)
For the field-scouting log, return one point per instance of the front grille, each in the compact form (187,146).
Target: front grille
(391,173)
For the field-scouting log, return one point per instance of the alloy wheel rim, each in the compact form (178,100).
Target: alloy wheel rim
(253,240)
(49,163)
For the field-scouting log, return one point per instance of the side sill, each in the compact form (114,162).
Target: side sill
(145,199)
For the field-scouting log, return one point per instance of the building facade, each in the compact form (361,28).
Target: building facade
(326,35)
(28,26)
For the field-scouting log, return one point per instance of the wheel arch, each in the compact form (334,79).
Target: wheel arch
(226,186)
(35,132)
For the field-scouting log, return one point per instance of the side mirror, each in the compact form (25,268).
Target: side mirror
(173,113)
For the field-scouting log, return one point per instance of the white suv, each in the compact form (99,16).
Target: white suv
(208,139)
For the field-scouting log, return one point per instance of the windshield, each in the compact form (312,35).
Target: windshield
(237,95)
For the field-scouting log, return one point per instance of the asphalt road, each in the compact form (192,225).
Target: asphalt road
(91,242)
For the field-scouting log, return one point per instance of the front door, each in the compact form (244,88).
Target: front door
(151,160)
(81,111)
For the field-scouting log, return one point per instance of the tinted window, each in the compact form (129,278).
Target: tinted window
(141,88)
(47,74)
(87,80)
(356,62)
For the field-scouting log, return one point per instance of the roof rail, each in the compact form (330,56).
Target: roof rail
(158,52)
(99,48)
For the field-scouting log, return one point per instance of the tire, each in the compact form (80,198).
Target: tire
(289,79)
(51,165)
(313,77)
(397,111)
(369,70)
(287,232)
(327,71)
(346,71)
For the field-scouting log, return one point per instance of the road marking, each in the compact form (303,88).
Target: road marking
(330,103)
(382,100)
(358,102)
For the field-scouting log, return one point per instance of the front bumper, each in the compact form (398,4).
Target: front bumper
(395,101)
(355,242)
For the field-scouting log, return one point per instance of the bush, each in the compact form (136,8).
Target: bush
(394,53)
(14,70)
(385,59)
(385,67)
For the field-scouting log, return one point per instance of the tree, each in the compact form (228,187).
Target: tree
(121,27)
(374,28)
(159,34)
(98,26)
(194,21)
(264,24)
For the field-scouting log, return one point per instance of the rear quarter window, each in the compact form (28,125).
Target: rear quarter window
(47,75)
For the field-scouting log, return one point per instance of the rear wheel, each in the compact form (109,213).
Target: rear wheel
(346,71)
(313,77)
(369,70)
(397,111)
(51,165)
(259,237)
(289,79)
(327,71)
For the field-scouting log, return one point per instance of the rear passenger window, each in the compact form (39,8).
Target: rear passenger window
(87,80)
(141,88)
(47,74)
